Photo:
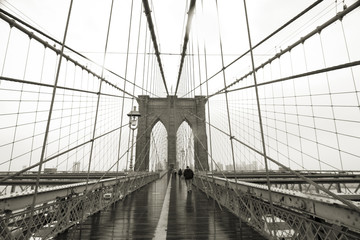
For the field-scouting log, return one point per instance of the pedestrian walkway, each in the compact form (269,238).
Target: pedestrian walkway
(163,210)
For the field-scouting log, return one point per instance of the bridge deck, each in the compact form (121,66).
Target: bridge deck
(139,216)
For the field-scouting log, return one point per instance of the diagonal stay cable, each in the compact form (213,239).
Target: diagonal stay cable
(348,203)
(262,41)
(47,45)
(58,155)
(58,42)
(95,183)
(236,191)
(317,30)
(153,37)
(46,135)
(186,40)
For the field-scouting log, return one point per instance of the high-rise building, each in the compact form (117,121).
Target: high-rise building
(76,166)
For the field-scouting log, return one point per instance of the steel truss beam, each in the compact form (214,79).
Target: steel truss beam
(345,184)
(59,208)
(296,215)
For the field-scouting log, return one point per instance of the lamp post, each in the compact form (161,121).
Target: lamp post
(133,124)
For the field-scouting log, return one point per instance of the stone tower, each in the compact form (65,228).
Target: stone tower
(171,111)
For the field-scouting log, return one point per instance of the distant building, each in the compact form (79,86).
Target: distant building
(76,167)
(229,167)
(221,166)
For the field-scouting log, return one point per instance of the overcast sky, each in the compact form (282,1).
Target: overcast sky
(87,35)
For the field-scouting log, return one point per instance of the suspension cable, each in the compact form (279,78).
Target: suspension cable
(19,105)
(153,36)
(331,102)
(186,40)
(135,74)
(12,23)
(47,45)
(309,181)
(98,99)
(265,39)
(208,107)
(288,49)
(126,67)
(349,59)
(226,95)
(74,206)
(6,49)
(48,122)
(224,176)
(215,200)
(143,76)
(37,104)
(312,107)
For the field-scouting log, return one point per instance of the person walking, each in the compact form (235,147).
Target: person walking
(180,172)
(188,175)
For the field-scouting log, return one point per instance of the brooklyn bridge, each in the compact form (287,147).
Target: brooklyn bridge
(103,102)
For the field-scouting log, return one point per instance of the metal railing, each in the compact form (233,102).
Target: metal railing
(296,215)
(59,208)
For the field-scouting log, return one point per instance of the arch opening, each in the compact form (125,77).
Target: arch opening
(185,146)
(158,155)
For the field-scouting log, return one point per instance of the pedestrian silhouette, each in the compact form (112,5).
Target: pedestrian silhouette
(188,175)
(180,172)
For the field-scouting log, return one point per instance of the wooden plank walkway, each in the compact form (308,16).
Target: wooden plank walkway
(187,216)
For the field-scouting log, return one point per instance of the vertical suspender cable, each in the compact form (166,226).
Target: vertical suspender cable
(71,114)
(193,65)
(186,39)
(190,72)
(259,114)
(136,61)
(123,101)
(61,119)
(32,208)
(266,38)
(351,69)
(153,36)
(19,106)
(149,69)
(226,95)
(297,112)
(208,107)
(98,99)
(6,50)
(274,112)
(331,102)
(145,56)
(37,106)
(198,54)
(284,111)
(18,111)
(312,107)
(151,77)
(209,120)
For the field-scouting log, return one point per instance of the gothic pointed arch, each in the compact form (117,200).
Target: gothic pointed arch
(158,147)
(185,145)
